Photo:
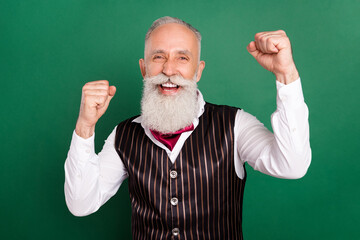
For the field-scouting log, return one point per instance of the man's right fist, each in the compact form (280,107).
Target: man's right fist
(95,100)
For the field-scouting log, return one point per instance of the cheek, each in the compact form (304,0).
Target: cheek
(187,72)
(154,69)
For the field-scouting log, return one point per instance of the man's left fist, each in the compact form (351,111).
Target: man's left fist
(272,50)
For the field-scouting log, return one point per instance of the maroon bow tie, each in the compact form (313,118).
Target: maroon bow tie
(170,139)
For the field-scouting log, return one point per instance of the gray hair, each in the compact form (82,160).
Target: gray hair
(164,20)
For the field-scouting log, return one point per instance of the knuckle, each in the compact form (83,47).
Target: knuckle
(105,82)
(257,37)
(85,92)
(263,39)
(102,86)
(282,32)
(99,81)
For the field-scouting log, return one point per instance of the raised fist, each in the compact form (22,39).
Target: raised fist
(272,50)
(95,100)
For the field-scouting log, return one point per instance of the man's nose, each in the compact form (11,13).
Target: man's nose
(169,68)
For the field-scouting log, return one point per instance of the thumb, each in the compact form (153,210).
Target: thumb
(112,91)
(252,49)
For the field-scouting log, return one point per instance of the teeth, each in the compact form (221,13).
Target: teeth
(170,85)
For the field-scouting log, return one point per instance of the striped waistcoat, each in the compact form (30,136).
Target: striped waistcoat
(197,197)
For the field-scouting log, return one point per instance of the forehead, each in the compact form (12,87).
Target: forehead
(171,37)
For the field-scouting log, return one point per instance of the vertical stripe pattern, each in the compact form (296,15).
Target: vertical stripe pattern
(203,200)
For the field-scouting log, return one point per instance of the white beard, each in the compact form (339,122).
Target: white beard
(169,113)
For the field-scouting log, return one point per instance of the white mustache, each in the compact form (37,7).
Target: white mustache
(175,79)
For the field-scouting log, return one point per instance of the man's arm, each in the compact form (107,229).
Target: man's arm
(90,179)
(286,153)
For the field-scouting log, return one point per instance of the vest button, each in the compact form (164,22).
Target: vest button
(175,232)
(174,201)
(173,174)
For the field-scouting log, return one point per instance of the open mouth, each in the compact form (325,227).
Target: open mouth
(169,88)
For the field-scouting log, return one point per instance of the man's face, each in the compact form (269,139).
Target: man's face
(172,49)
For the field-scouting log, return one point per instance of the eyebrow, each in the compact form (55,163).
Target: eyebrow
(184,51)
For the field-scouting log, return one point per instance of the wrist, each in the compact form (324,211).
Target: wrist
(287,77)
(83,130)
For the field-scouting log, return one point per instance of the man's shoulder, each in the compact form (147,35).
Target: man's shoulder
(220,115)
(129,121)
(128,125)
(217,107)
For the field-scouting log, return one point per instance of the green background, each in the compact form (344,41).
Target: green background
(50,49)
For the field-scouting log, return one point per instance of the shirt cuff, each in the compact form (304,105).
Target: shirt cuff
(290,95)
(83,148)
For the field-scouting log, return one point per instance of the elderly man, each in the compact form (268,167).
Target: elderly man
(183,157)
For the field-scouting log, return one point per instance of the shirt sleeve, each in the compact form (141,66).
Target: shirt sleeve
(285,153)
(91,179)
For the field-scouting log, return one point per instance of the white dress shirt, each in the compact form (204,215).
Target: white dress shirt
(91,179)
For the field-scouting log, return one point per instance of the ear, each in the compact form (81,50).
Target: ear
(142,67)
(199,70)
